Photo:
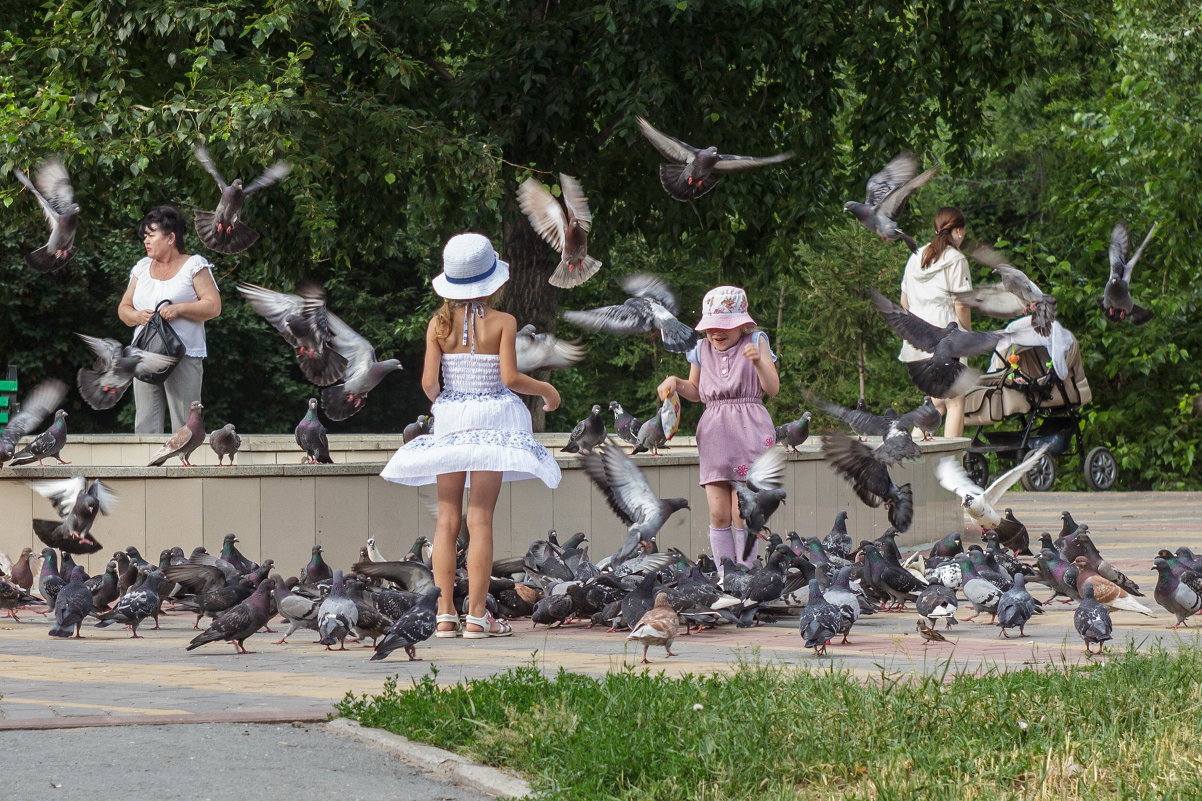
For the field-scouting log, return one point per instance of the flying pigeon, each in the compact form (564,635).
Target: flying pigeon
(943,375)
(893,429)
(240,621)
(415,625)
(311,436)
(302,319)
(56,196)
(1116,302)
(1092,621)
(760,495)
(588,433)
(222,229)
(46,445)
(888,191)
(1015,296)
(795,433)
(869,478)
(630,497)
(342,399)
(77,503)
(115,369)
(544,351)
(566,232)
(184,441)
(625,425)
(43,399)
(225,442)
(653,306)
(691,171)
(659,626)
(980,503)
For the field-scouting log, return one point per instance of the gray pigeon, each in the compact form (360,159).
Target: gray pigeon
(222,229)
(630,497)
(588,433)
(77,503)
(1173,594)
(1116,302)
(795,433)
(422,426)
(72,604)
(115,369)
(760,495)
(651,436)
(820,620)
(311,436)
(37,404)
(937,601)
(838,542)
(184,441)
(626,425)
(363,372)
(537,351)
(336,616)
(240,621)
(566,232)
(1016,607)
(887,192)
(1016,296)
(981,593)
(942,375)
(303,322)
(136,605)
(225,442)
(652,307)
(869,478)
(56,196)
(46,445)
(691,171)
(300,611)
(848,603)
(926,418)
(893,429)
(416,624)
(1092,621)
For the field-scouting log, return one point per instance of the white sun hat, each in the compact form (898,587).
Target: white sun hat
(471,268)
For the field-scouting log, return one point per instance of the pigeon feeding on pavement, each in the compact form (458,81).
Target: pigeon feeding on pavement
(1116,301)
(887,192)
(222,229)
(52,189)
(567,232)
(416,624)
(658,626)
(653,306)
(692,171)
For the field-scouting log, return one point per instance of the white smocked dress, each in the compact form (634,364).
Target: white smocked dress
(479,424)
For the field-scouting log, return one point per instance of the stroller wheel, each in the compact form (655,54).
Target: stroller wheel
(1041,476)
(1101,469)
(977,468)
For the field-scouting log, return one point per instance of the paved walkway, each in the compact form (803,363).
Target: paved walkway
(108,678)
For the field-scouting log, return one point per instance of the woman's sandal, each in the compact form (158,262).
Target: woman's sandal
(455,632)
(486,623)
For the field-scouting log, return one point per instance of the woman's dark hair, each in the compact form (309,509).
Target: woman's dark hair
(167,220)
(947,219)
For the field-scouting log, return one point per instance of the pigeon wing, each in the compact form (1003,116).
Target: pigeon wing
(1131,262)
(544,351)
(576,201)
(40,402)
(622,482)
(914,330)
(892,204)
(731,163)
(274,307)
(413,577)
(902,168)
(357,351)
(60,492)
(150,362)
(953,478)
(48,211)
(106,350)
(677,337)
(767,472)
(1006,480)
(544,212)
(631,317)
(669,147)
(994,300)
(206,161)
(55,185)
(959,344)
(861,422)
(646,285)
(270,177)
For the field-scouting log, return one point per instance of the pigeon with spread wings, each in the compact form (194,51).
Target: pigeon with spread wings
(52,189)
(567,232)
(342,399)
(887,192)
(691,171)
(980,503)
(1116,302)
(1015,296)
(115,369)
(302,320)
(77,503)
(653,306)
(629,496)
(537,351)
(869,477)
(222,229)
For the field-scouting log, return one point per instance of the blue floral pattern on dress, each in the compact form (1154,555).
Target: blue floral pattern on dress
(518,440)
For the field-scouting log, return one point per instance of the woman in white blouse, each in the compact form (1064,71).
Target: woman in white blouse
(167,273)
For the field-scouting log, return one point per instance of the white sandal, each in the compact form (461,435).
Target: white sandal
(455,632)
(486,624)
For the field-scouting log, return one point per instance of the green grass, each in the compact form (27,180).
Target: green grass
(1131,728)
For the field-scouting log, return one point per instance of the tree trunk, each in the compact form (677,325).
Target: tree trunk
(860,369)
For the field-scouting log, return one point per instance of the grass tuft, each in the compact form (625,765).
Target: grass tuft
(1127,729)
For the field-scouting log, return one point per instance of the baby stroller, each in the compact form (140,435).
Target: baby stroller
(1037,386)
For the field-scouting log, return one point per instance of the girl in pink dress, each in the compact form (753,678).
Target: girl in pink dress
(731,371)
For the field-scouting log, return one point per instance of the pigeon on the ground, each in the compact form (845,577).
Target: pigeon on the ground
(47,445)
(845,600)
(1057,573)
(980,503)
(838,542)
(937,601)
(116,367)
(136,605)
(588,433)
(311,437)
(1079,543)
(336,616)
(760,495)
(567,232)
(417,624)
(630,497)
(184,441)
(222,229)
(942,375)
(983,594)
(690,172)
(12,597)
(55,195)
(21,571)
(43,399)
(1116,302)
(420,427)
(537,351)
(225,442)
(1016,607)
(232,556)
(1092,621)
(1012,534)
(820,621)
(869,478)
(299,610)
(795,433)
(887,192)
(949,546)
(77,503)
(72,604)
(659,626)
(49,580)
(239,622)
(553,611)
(653,306)
(626,425)
(363,373)
(926,417)
(1174,595)
(1109,594)
(891,580)
(302,319)
(1015,296)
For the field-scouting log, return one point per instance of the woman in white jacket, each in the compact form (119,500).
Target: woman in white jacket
(933,275)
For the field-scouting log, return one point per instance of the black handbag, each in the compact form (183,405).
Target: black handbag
(157,336)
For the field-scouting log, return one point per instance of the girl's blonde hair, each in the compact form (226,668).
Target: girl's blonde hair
(444,318)
(947,219)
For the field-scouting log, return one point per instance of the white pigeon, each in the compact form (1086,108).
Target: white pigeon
(373,553)
(980,503)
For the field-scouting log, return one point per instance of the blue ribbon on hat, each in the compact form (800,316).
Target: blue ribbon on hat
(474,278)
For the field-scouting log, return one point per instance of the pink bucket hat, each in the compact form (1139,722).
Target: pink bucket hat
(724,307)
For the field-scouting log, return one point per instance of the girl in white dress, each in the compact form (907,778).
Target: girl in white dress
(482,435)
